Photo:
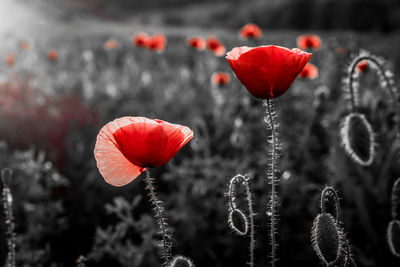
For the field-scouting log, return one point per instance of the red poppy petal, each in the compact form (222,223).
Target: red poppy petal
(307,41)
(149,143)
(115,168)
(250,31)
(177,137)
(267,71)
(253,78)
(310,71)
(236,52)
(219,51)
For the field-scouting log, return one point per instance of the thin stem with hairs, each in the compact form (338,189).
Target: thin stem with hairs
(271,172)
(158,208)
(8,215)
(385,79)
(233,207)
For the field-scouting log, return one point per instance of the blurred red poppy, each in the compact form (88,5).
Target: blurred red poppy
(197,43)
(111,44)
(250,31)
(52,55)
(156,43)
(23,45)
(220,78)
(140,39)
(128,145)
(215,46)
(310,71)
(308,41)
(10,59)
(267,71)
(362,66)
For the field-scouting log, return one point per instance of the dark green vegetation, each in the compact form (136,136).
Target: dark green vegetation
(59,107)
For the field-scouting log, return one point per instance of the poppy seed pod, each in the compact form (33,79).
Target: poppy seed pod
(180,261)
(395,200)
(238,222)
(393,237)
(326,238)
(357,138)
(267,71)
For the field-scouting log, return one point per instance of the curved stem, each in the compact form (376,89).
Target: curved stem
(382,75)
(233,206)
(271,176)
(158,208)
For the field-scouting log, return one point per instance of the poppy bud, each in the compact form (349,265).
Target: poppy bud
(357,138)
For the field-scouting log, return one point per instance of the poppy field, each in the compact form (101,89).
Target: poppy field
(161,147)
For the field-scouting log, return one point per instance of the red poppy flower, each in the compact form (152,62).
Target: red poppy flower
(267,71)
(140,39)
(128,145)
(215,46)
(10,59)
(308,41)
(250,31)
(197,43)
(362,66)
(340,50)
(111,44)
(220,78)
(310,71)
(23,45)
(156,43)
(52,55)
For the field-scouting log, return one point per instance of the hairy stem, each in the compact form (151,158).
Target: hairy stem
(252,239)
(9,217)
(233,206)
(271,176)
(382,75)
(158,208)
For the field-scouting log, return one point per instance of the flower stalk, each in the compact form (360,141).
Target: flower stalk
(158,208)
(271,175)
